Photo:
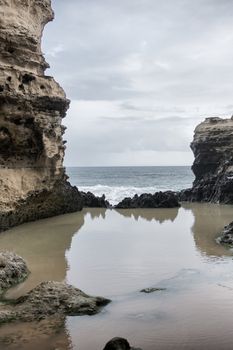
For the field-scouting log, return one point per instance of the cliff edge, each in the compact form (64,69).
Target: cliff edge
(33,182)
(213,165)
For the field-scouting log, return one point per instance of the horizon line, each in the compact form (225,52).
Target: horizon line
(124,166)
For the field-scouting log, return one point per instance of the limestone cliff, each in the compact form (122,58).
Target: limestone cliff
(33,183)
(213,165)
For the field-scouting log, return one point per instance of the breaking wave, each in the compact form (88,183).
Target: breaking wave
(114,194)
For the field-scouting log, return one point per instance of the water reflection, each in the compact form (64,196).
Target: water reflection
(116,253)
(47,334)
(209,221)
(43,245)
(160,215)
(96,213)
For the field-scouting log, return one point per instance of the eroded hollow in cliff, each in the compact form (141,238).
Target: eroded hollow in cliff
(20,139)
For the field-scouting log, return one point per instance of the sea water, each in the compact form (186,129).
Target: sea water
(115,254)
(120,182)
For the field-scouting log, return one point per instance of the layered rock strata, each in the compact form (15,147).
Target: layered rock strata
(213,165)
(33,182)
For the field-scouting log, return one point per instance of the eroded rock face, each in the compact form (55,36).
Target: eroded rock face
(13,270)
(50,298)
(213,165)
(166,199)
(32,107)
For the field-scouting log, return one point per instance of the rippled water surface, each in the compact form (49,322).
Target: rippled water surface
(117,253)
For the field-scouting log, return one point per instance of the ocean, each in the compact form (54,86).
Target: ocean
(120,182)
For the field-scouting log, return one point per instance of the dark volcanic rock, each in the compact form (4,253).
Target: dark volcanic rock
(92,201)
(213,165)
(119,344)
(227,235)
(50,298)
(166,199)
(13,270)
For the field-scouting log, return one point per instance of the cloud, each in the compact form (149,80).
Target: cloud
(145,73)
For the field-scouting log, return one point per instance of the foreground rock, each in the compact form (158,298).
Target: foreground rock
(50,298)
(227,235)
(213,165)
(13,270)
(92,201)
(166,199)
(32,105)
(119,344)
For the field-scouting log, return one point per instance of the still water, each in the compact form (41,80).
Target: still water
(117,253)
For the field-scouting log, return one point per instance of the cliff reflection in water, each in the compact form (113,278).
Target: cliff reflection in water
(160,215)
(116,253)
(209,220)
(43,245)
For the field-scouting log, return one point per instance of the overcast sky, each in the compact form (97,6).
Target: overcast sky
(141,74)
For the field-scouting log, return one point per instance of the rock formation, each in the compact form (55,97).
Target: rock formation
(33,182)
(119,344)
(166,199)
(227,235)
(13,270)
(213,165)
(50,298)
(92,201)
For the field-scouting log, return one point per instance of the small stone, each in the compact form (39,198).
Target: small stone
(152,290)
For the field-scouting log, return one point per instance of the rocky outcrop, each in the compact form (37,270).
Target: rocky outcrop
(213,165)
(50,298)
(33,182)
(166,199)
(13,270)
(119,344)
(92,201)
(227,235)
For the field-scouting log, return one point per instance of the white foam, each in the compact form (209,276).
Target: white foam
(114,194)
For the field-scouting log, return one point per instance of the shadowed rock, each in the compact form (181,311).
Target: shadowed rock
(166,199)
(119,344)
(50,298)
(92,201)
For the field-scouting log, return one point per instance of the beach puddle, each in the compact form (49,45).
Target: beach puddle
(116,254)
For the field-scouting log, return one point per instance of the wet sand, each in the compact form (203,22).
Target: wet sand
(116,254)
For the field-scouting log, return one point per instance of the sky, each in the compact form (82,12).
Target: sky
(140,74)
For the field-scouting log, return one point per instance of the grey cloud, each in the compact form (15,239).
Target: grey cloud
(163,64)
